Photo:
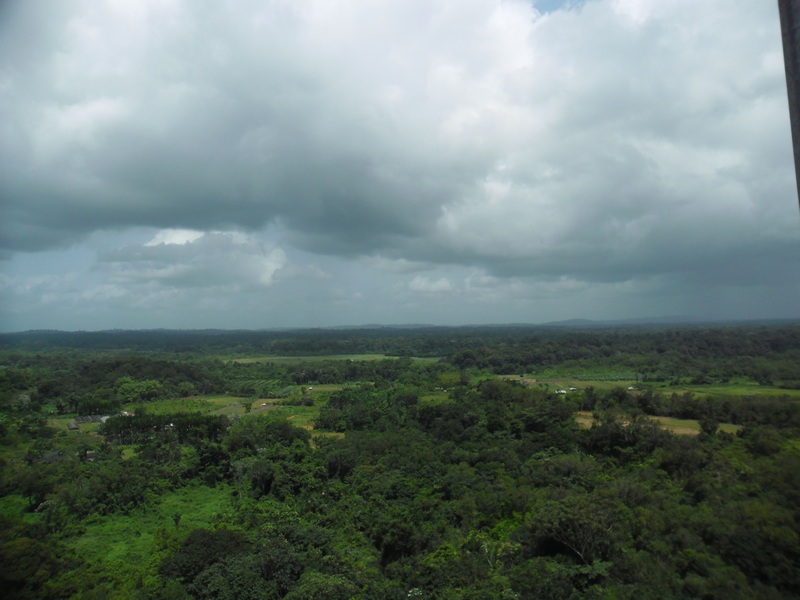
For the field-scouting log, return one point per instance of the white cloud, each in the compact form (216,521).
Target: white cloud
(175,236)
(192,259)
(398,265)
(430,286)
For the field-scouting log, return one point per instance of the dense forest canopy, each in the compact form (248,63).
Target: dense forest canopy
(496,462)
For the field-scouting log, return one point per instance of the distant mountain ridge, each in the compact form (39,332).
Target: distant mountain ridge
(676,321)
(670,320)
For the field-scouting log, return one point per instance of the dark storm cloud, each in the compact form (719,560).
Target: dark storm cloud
(214,120)
(539,147)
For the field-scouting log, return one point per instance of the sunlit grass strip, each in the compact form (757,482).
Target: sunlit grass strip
(435,398)
(729,389)
(585,420)
(299,416)
(323,358)
(691,426)
(610,381)
(193,404)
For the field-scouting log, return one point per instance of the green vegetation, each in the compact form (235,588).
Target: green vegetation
(509,463)
(122,549)
(195,404)
(313,359)
(737,388)
(586,420)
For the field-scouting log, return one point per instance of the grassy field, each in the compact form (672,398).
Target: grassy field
(291,360)
(740,388)
(690,426)
(60,424)
(434,398)
(299,416)
(124,547)
(586,375)
(734,388)
(584,419)
(15,508)
(677,426)
(324,388)
(128,545)
(196,404)
(564,383)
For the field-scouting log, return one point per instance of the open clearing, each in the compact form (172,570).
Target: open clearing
(61,423)
(734,388)
(324,387)
(434,398)
(564,383)
(291,360)
(739,388)
(118,542)
(676,426)
(193,404)
(300,416)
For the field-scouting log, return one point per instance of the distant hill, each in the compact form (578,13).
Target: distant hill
(672,320)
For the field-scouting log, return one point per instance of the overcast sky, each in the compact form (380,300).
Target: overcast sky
(269,163)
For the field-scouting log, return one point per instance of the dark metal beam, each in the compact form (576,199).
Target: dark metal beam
(790,30)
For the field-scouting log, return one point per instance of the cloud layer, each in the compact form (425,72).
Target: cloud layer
(612,148)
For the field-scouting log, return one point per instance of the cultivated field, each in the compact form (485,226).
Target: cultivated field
(292,360)
(739,387)
(677,426)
